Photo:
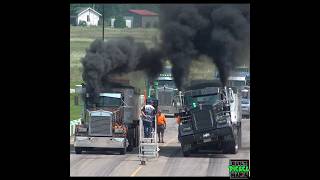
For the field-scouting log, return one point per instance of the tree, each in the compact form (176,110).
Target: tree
(119,22)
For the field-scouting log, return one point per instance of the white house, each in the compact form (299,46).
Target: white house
(89,15)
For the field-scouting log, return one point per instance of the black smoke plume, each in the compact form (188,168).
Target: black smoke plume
(222,32)
(115,57)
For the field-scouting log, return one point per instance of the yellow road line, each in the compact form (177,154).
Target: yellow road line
(136,171)
(140,167)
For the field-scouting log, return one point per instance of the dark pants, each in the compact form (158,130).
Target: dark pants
(160,131)
(147,129)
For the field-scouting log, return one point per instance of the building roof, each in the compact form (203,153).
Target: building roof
(83,9)
(143,12)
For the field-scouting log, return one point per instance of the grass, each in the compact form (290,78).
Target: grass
(75,111)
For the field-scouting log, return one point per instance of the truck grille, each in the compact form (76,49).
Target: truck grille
(100,126)
(202,120)
(165,98)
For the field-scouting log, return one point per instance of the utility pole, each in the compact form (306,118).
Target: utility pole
(102,22)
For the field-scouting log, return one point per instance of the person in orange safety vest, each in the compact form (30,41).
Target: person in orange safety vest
(161,125)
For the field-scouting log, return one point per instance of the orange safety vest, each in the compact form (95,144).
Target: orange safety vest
(161,120)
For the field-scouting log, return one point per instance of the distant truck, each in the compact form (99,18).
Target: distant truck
(210,119)
(111,122)
(163,88)
(245,102)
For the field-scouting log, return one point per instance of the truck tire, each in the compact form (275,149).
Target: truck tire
(239,136)
(78,150)
(231,147)
(186,153)
(129,148)
(123,151)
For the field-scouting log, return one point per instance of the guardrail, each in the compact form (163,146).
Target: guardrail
(73,124)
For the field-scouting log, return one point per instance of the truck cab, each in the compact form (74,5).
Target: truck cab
(164,89)
(108,121)
(211,118)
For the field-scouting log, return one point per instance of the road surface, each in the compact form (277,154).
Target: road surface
(170,162)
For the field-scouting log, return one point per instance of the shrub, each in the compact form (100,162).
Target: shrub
(82,23)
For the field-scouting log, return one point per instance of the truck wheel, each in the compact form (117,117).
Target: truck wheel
(123,151)
(129,148)
(231,147)
(239,137)
(78,150)
(186,153)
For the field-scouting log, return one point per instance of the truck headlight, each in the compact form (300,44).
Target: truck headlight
(81,129)
(221,120)
(186,129)
(206,135)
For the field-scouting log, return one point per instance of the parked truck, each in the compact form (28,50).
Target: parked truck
(210,118)
(111,122)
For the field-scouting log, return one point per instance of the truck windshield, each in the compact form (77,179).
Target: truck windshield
(194,101)
(167,83)
(238,83)
(105,101)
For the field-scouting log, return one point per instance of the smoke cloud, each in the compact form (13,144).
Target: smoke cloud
(115,57)
(221,32)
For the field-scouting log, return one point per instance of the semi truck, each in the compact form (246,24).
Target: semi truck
(210,118)
(163,88)
(111,121)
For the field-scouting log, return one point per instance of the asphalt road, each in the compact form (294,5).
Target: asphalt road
(170,162)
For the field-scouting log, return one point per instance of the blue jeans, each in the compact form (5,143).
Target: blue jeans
(147,129)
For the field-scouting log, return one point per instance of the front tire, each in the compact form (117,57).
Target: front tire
(129,148)
(231,147)
(78,150)
(185,152)
(239,136)
(123,151)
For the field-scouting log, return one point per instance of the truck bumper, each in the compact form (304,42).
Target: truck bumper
(214,136)
(245,112)
(100,142)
